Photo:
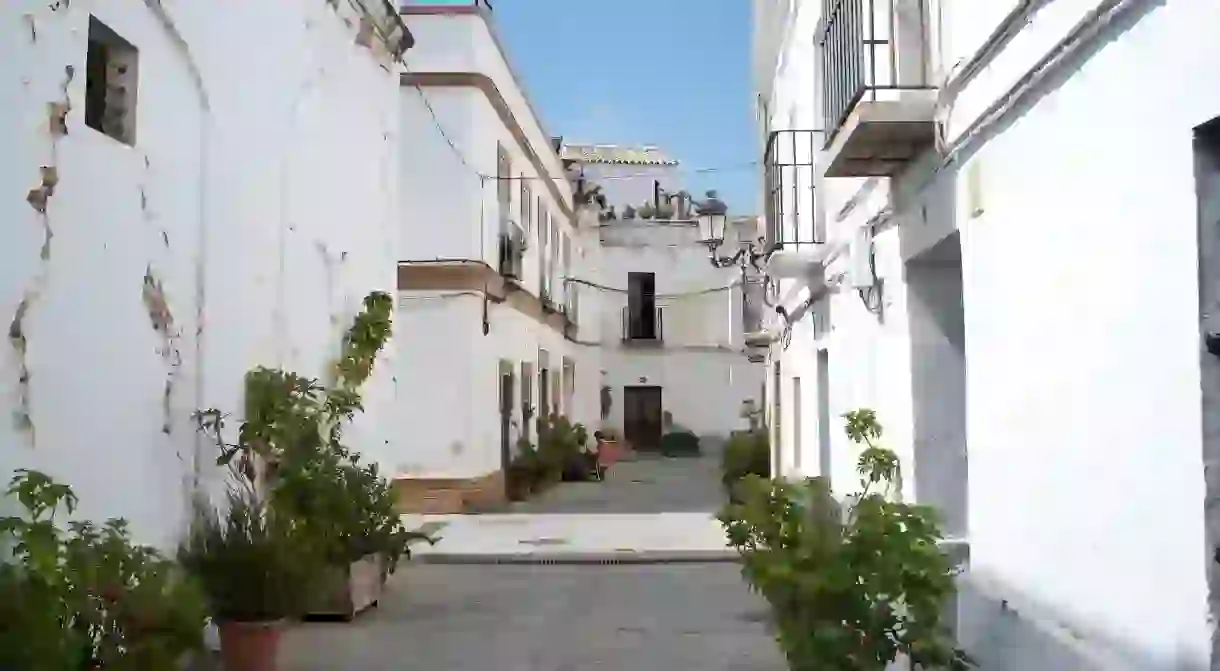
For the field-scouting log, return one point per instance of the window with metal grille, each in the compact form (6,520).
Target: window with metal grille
(110,83)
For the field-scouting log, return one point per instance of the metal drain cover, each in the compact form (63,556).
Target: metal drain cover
(545,541)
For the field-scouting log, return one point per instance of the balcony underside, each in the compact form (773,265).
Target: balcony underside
(879,137)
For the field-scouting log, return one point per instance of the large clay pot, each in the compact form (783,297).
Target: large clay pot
(250,646)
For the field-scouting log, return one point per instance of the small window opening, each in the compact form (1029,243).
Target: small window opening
(110,83)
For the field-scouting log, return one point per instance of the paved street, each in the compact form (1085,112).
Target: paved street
(548,618)
(501,595)
(647,484)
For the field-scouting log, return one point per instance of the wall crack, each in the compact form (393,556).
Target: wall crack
(39,198)
(162,320)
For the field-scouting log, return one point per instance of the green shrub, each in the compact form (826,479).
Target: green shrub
(84,596)
(561,447)
(680,444)
(746,453)
(848,592)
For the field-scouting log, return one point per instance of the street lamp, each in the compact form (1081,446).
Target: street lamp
(712,216)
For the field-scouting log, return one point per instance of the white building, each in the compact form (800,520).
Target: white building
(191,192)
(488,235)
(671,323)
(995,226)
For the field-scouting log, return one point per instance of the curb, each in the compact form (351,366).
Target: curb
(605,557)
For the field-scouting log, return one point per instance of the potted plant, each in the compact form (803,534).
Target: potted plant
(87,597)
(344,508)
(369,541)
(250,563)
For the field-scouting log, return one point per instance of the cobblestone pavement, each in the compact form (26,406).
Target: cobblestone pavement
(548,618)
(647,484)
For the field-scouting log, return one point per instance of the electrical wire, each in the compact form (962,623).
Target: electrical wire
(684,294)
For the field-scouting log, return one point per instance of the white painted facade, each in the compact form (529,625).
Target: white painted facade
(244,212)
(449,380)
(700,362)
(1055,415)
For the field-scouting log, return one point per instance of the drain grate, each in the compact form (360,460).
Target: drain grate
(544,541)
(624,558)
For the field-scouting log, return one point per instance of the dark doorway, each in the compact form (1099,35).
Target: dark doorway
(508,386)
(642,306)
(642,417)
(544,394)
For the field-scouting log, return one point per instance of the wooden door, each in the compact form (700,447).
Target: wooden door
(508,386)
(642,417)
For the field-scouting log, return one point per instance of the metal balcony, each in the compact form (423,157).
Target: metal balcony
(877,100)
(638,330)
(788,172)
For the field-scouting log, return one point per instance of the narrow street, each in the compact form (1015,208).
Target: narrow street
(466,607)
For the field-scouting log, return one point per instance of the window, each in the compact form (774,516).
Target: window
(110,83)
(565,265)
(824,414)
(527,201)
(554,262)
(641,312)
(538,215)
(504,172)
(527,398)
(544,266)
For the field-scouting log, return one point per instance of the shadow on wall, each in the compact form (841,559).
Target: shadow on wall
(1014,632)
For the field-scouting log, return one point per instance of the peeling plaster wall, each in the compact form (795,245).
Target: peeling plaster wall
(254,211)
(119,217)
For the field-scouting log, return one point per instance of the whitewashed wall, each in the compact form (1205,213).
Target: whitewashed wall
(258,199)
(700,366)
(448,384)
(1086,490)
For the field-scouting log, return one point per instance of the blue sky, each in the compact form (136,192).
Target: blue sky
(674,73)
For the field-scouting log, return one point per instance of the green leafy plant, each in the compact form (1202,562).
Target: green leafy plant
(250,561)
(850,590)
(87,596)
(746,453)
(680,444)
(523,471)
(294,425)
(562,447)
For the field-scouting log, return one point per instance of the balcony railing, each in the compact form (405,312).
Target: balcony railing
(406,5)
(636,329)
(788,171)
(874,51)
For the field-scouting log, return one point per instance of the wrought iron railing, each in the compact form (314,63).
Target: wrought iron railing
(867,48)
(636,328)
(788,171)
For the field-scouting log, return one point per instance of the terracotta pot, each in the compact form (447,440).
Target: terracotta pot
(608,453)
(250,646)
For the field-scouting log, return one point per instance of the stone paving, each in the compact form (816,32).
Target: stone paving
(671,617)
(564,617)
(646,484)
